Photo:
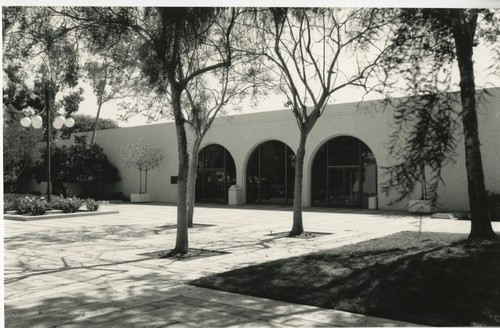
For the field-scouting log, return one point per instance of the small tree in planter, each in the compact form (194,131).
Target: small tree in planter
(143,157)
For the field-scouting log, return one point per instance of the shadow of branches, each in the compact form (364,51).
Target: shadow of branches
(441,280)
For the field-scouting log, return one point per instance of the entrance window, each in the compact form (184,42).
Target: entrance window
(216,174)
(270,174)
(344,174)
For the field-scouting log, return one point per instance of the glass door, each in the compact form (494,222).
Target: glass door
(214,186)
(344,186)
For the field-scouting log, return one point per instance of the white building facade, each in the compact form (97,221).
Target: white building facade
(345,155)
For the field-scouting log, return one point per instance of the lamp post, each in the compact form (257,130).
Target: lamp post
(35,120)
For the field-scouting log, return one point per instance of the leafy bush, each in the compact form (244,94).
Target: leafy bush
(91,205)
(31,205)
(71,205)
(20,150)
(80,164)
(56,202)
(8,205)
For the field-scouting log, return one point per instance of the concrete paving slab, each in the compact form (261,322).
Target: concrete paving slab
(88,272)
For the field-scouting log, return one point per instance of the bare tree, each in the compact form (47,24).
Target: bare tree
(169,43)
(306,49)
(208,97)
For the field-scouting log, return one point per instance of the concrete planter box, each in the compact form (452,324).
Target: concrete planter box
(235,195)
(372,202)
(421,206)
(55,214)
(140,198)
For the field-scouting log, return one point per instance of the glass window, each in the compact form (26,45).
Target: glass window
(343,151)
(344,174)
(270,174)
(319,177)
(216,174)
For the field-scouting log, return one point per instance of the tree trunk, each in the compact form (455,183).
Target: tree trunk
(181,243)
(100,102)
(192,174)
(94,131)
(298,227)
(140,181)
(146,181)
(463,32)
(424,182)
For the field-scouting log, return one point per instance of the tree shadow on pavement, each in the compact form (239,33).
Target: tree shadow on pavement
(444,284)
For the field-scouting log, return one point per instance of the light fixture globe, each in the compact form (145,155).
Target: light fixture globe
(57,124)
(36,120)
(36,125)
(59,120)
(69,122)
(25,121)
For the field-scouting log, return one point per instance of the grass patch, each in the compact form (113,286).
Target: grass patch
(427,278)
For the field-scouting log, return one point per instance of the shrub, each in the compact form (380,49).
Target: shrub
(31,205)
(8,205)
(56,202)
(77,164)
(91,205)
(71,205)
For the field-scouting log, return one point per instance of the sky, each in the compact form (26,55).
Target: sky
(276,102)
(484,78)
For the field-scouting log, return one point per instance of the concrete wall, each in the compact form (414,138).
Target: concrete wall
(367,121)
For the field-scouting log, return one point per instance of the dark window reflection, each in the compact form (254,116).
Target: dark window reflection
(270,174)
(344,174)
(343,151)
(216,174)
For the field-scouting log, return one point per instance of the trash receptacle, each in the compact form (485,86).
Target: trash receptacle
(235,196)
(372,202)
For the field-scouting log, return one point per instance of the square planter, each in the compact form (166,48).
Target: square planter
(372,202)
(235,195)
(421,206)
(140,198)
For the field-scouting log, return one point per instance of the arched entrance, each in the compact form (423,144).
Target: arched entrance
(344,174)
(270,174)
(216,173)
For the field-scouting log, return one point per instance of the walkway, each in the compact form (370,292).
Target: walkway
(92,271)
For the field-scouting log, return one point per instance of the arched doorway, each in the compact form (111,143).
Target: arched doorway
(216,173)
(270,174)
(344,174)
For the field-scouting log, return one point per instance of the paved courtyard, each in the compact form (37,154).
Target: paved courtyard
(92,271)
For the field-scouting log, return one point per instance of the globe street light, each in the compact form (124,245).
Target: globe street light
(36,122)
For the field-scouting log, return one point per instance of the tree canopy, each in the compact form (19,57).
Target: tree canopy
(138,154)
(430,45)
(85,123)
(82,164)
